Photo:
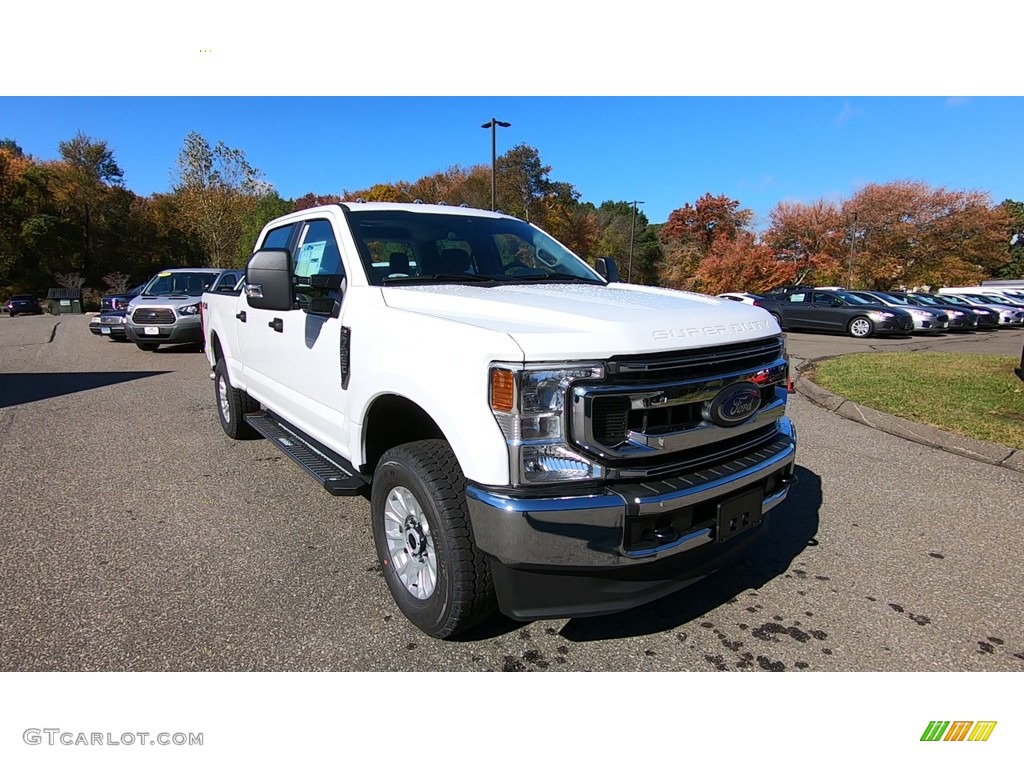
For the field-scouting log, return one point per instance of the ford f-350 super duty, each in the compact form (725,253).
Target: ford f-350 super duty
(534,436)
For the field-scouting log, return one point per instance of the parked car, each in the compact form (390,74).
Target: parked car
(746,298)
(1007,317)
(926,319)
(1019,370)
(23,304)
(167,310)
(960,318)
(112,317)
(836,311)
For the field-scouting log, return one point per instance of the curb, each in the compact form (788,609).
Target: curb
(978,450)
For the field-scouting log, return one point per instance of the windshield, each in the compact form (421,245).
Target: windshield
(988,299)
(896,299)
(179,284)
(851,298)
(950,299)
(408,248)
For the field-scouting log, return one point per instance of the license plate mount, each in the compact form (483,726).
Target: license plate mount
(739,514)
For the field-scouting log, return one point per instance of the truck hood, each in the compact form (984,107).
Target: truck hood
(574,321)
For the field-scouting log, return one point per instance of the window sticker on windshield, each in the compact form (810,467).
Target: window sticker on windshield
(308,261)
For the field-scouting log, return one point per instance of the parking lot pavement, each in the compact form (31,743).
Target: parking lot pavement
(135,536)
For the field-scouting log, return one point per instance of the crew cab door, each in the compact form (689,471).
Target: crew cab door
(296,354)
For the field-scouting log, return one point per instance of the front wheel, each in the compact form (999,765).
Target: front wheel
(437,576)
(778,319)
(860,328)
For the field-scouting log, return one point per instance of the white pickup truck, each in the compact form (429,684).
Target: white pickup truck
(533,435)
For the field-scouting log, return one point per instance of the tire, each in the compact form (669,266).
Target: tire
(232,405)
(860,327)
(147,346)
(778,319)
(437,576)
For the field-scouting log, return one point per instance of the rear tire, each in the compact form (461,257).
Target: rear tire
(232,405)
(147,346)
(860,328)
(441,582)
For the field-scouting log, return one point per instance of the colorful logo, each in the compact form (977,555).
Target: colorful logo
(958,730)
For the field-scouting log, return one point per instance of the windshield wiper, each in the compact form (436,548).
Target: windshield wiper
(453,277)
(554,277)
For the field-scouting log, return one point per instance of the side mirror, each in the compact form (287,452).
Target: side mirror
(324,307)
(837,302)
(608,269)
(268,280)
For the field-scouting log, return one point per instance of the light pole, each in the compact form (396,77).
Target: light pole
(632,227)
(494,124)
(853,240)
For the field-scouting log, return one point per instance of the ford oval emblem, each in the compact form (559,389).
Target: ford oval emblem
(734,404)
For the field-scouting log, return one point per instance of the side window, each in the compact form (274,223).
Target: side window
(797,298)
(280,237)
(317,252)
(823,299)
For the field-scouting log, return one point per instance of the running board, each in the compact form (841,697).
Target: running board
(335,474)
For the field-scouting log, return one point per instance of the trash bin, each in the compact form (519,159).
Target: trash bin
(64,301)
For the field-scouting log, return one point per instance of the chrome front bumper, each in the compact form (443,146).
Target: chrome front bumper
(589,531)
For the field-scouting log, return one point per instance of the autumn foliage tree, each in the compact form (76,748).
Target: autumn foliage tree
(742,264)
(810,238)
(690,233)
(907,233)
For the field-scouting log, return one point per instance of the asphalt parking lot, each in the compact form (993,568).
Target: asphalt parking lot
(135,536)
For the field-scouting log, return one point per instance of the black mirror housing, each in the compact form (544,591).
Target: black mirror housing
(607,268)
(268,280)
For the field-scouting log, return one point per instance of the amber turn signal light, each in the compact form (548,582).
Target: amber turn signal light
(503,390)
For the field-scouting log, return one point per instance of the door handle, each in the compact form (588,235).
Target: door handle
(277,324)
(241,316)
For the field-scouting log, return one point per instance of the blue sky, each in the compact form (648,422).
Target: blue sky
(666,151)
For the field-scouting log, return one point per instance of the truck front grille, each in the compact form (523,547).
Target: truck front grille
(152,316)
(652,411)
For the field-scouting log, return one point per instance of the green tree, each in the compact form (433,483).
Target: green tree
(1014,268)
(217,189)
(266,208)
(84,178)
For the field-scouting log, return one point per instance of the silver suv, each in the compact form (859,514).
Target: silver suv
(167,310)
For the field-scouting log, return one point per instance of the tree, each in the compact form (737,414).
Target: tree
(1014,267)
(811,237)
(71,280)
(217,188)
(908,233)
(266,208)
(691,231)
(84,176)
(742,264)
(117,282)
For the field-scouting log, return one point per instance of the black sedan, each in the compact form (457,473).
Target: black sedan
(23,305)
(836,311)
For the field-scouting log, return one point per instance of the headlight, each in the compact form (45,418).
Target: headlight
(189,309)
(921,313)
(881,315)
(528,402)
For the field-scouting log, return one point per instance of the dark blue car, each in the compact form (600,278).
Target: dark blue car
(111,319)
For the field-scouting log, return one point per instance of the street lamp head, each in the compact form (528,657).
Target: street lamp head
(496,123)
(502,124)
